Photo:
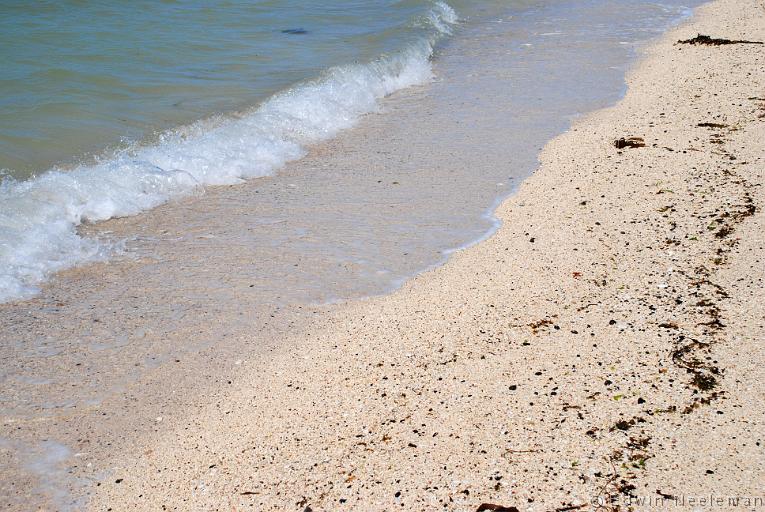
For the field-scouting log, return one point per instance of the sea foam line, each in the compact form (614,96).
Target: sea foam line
(39,217)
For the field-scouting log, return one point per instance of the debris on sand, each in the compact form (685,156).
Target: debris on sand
(712,125)
(713,41)
(490,507)
(629,142)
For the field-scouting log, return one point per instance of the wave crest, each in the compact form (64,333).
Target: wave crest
(39,217)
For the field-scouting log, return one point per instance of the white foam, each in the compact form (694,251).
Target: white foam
(39,217)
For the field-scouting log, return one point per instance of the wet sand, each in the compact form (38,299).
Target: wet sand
(605,343)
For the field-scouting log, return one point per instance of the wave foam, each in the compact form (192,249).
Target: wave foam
(39,217)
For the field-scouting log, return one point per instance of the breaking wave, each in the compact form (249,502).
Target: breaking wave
(39,217)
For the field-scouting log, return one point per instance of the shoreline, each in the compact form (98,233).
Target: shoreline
(114,353)
(549,364)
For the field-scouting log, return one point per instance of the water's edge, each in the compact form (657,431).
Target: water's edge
(66,434)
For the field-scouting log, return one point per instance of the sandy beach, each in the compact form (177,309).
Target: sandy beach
(601,350)
(602,347)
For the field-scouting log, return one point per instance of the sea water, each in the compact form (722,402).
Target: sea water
(111,108)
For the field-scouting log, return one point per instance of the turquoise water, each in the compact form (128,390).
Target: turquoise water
(108,109)
(79,77)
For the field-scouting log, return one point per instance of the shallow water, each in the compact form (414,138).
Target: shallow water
(83,76)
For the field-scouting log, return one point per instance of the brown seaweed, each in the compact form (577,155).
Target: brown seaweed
(714,41)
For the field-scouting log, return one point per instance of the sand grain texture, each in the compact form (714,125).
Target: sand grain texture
(605,342)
